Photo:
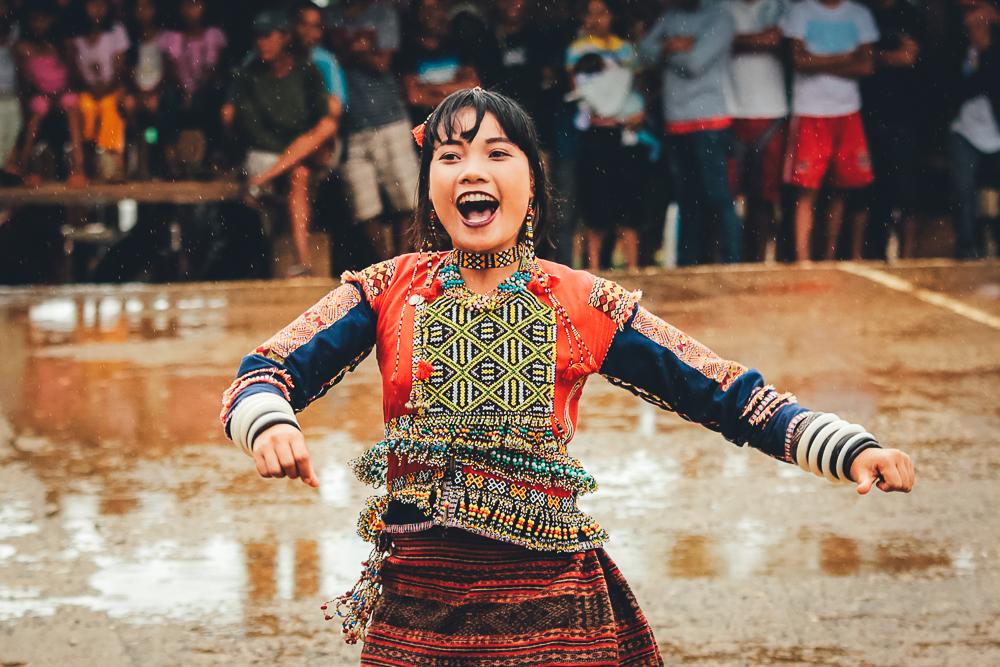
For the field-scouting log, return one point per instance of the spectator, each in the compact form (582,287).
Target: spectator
(832,47)
(279,104)
(602,66)
(526,62)
(99,55)
(147,84)
(308,35)
(759,108)
(430,65)
(196,53)
(524,58)
(892,97)
(45,79)
(975,131)
(10,108)
(691,41)
(380,150)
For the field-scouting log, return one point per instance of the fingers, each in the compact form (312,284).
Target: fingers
(271,463)
(287,460)
(304,463)
(865,481)
(283,453)
(896,470)
(891,477)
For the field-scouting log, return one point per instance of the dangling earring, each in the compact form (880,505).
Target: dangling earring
(431,239)
(529,225)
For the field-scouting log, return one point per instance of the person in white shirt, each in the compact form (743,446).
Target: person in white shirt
(759,109)
(975,131)
(832,47)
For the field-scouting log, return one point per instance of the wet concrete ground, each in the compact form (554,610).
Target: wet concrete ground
(133,533)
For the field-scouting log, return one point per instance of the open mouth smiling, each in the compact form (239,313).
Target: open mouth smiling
(477,209)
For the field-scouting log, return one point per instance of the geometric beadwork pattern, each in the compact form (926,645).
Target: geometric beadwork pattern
(687,349)
(304,328)
(374,279)
(614,300)
(519,491)
(490,362)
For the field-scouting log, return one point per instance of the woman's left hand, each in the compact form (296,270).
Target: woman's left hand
(892,465)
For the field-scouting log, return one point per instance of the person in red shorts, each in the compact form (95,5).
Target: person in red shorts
(832,48)
(760,109)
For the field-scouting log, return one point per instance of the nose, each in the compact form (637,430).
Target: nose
(473,171)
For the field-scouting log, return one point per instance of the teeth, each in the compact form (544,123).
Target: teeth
(476,196)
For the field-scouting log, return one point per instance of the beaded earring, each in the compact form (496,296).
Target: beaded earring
(529,229)
(529,223)
(432,231)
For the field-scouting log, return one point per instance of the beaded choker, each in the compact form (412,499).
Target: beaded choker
(487,260)
(454,284)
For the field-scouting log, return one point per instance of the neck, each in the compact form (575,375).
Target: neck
(282,65)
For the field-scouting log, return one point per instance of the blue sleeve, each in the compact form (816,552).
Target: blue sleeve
(713,43)
(314,352)
(651,46)
(338,83)
(671,370)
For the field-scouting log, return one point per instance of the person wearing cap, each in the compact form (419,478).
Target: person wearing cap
(367,35)
(280,106)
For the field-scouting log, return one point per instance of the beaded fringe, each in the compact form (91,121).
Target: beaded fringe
(356,605)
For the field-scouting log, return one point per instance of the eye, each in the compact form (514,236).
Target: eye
(497,153)
(448,157)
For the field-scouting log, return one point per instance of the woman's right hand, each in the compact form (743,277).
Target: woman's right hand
(280,451)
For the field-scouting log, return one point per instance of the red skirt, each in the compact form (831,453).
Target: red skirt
(453,598)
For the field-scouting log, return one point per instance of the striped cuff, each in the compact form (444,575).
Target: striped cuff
(255,413)
(826,445)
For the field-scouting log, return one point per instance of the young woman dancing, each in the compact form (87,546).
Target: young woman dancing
(481,555)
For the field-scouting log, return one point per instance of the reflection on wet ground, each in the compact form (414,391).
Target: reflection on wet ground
(119,494)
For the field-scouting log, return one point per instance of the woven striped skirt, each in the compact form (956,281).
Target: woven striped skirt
(452,598)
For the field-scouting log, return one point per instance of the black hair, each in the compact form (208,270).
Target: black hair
(518,128)
(106,23)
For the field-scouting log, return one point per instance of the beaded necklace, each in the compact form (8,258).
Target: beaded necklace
(454,285)
(488,260)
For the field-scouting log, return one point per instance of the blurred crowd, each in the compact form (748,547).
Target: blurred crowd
(813,129)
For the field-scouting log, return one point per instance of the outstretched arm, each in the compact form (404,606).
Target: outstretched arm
(290,370)
(304,145)
(668,368)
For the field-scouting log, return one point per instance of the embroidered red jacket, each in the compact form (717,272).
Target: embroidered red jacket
(480,396)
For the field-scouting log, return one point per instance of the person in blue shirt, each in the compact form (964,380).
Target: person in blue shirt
(308,32)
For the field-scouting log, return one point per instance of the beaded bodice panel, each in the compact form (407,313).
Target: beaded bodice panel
(492,365)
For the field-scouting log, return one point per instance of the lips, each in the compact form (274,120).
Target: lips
(477,209)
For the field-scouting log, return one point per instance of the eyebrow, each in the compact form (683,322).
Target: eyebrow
(491,140)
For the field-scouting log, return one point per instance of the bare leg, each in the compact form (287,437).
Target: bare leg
(594,239)
(77,177)
(298,212)
(30,137)
(859,220)
(805,211)
(630,247)
(834,221)
(760,219)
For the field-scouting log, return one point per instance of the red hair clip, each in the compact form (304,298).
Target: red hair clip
(418,134)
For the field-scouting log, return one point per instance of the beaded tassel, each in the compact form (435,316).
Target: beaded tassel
(356,605)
